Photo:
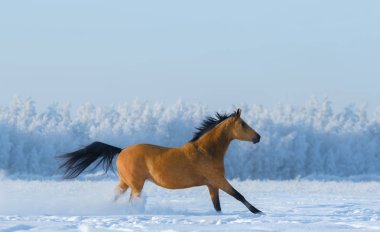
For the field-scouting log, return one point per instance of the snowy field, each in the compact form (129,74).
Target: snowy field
(289,206)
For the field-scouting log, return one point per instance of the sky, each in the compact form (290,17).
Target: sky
(217,53)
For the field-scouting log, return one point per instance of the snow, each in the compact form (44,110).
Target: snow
(310,141)
(296,205)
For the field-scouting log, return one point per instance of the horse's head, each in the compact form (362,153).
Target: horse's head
(241,130)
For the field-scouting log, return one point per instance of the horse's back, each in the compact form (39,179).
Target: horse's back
(137,154)
(144,149)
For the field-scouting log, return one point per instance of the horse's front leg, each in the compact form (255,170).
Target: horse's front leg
(214,193)
(223,184)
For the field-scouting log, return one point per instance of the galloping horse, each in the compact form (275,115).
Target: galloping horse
(196,163)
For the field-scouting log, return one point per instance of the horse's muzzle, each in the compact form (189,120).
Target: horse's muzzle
(256,139)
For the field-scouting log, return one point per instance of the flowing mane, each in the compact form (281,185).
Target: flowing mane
(209,123)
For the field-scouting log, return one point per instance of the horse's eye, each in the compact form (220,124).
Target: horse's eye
(243,124)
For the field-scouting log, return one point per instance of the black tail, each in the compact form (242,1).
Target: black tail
(76,162)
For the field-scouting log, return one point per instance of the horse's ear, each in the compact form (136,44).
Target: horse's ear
(237,114)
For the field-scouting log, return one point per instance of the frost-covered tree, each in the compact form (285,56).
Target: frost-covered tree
(306,141)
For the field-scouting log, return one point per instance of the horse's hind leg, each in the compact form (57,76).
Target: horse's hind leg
(120,189)
(214,193)
(136,188)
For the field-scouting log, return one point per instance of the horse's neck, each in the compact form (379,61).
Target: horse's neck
(216,141)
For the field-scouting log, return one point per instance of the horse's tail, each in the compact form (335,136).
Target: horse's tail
(76,162)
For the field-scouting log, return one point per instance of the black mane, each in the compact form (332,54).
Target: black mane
(208,124)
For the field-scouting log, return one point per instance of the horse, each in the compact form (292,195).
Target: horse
(199,162)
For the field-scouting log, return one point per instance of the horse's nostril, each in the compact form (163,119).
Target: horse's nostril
(256,139)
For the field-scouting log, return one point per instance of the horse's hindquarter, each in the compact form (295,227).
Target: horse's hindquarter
(131,163)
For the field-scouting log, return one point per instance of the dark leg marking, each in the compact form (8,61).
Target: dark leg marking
(241,198)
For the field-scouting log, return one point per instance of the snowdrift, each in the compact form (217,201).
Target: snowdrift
(310,141)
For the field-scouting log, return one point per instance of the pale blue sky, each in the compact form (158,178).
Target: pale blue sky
(212,52)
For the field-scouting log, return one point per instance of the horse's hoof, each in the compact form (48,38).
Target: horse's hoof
(260,213)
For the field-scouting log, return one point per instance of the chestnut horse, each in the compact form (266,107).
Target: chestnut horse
(198,162)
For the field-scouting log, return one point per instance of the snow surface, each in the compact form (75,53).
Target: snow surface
(310,141)
(289,206)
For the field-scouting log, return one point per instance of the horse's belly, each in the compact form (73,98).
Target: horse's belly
(176,180)
(177,184)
